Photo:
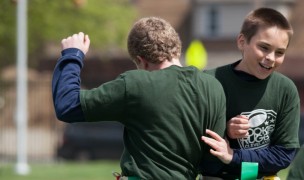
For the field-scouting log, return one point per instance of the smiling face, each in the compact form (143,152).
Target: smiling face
(264,53)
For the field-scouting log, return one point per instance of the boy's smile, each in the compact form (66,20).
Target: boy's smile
(265,66)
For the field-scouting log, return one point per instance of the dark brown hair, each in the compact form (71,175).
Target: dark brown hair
(264,17)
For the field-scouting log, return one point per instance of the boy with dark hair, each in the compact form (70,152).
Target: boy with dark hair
(296,170)
(164,107)
(263,106)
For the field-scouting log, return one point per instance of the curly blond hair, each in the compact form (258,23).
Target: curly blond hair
(155,40)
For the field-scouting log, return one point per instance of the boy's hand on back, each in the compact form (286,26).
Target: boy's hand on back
(79,41)
(219,146)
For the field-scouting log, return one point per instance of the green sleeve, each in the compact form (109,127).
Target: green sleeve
(217,109)
(220,113)
(105,103)
(288,120)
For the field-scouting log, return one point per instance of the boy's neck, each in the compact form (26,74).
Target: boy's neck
(164,65)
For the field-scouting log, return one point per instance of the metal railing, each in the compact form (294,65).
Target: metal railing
(43,130)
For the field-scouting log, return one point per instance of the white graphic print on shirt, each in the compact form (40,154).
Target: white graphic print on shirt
(262,124)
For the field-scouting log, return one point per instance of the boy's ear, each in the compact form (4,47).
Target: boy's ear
(142,63)
(137,60)
(241,41)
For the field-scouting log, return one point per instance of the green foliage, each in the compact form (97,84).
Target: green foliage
(7,32)
(106,21)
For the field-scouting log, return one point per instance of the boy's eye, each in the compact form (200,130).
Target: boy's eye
(280,53)
(264,47)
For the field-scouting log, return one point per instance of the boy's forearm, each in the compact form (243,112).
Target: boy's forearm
(271,159)
(66,86)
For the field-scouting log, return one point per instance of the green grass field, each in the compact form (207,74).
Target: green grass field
(99,170)
(96,170)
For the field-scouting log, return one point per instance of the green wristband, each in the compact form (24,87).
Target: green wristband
(249,171)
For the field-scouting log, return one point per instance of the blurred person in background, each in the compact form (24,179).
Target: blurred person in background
(296,171)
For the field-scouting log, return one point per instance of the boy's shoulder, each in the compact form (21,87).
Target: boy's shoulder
(278,77)
(218,70)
